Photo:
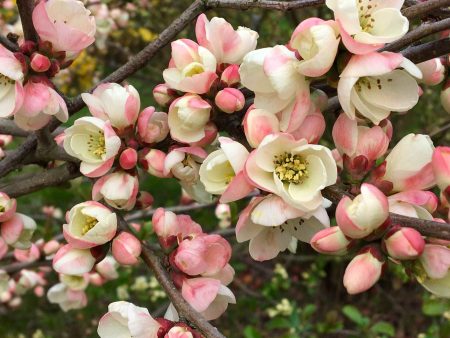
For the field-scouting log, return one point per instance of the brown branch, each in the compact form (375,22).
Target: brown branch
(425,227)
(427,50)
(16,267)
(423,8)
(26,11)
(8,127)
(264,4)
(417,34)
(8,44)
(10,162)
(51,177)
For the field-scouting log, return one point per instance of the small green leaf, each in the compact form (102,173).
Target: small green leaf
(383,328)
(250,332)
(434,307)
(354,315)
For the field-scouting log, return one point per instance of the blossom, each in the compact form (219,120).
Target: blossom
(294,170)
(404,243)
(153,162)
(279,88)
(230,100)
(128,158)
(72,261)
(188,116)
(222,171)
(273,226)
(373,86)
(89,224)
(366,213)
(153,126)
(192,68)
(11,77)
(127,320)
(408,165)
(435,261)
(317,43)
(367,26)
(219,37)
(163,94)
(331,241)
(67,24)
(414,203)
(441,166)
(40,104)
(119,189)
(94,142)
(39,63)
(184,163)
(7,207)
(18,230)
(207,296)
(118,104)
(258,123)
(433,71)
(67,298)
(363,271)
(126,248)
(107,268)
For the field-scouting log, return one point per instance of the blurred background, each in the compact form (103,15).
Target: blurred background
(291,296)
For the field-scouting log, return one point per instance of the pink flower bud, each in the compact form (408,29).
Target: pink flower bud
(230,100)
(433,72)
(153,162)
(128,158)
(153,126)
(144,200)
(312,128)
(28,255)
(441,166)
(163,94)
(331,241)
(363,271)
(71,261)
(107,268)
(435,260)
(126,248)
(18,230)
(258,123)
(51,247)
(230,76)
(40,63)
(404,243)
(367,212)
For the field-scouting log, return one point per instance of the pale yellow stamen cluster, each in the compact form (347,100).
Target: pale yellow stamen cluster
(96,144)
(5,81)
(365,82)
(194,68)
(365,15)
(2,208)
(89,223)
(291,168)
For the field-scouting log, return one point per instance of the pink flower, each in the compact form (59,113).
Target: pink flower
(207,296)
(294,170)
(366,27)
(372,85)
(67,24)
(356,140)
(363,271)
(28,255)
(404,243)
(435,260)
(119,190)
(153,162)
(153,127)
(312,127)
(230,76)
(433,71)
(258,123)
(71,261)
(184,163)
(18,230)
(107,268)
(202,255)
(127,320)
(441,166)
(94,142)
(39,63)
(366,213)
(40,104)
(163,94)
(11,77)
(331,241)
(408,165)
(317,43)
(279,88)
(273,226)
(192,68)
(222,171)
(126,249)
(89,224)
(230,100)
(188,116)
(179,332)
(67,298)
(118,104)
(219,37)
(7,207)
(128,158)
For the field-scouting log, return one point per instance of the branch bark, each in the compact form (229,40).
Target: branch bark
(424,8)
(8,44)
(264,4)
(427,50)
(26,17)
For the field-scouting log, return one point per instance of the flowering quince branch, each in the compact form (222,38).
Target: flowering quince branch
(422,8)
(264,99)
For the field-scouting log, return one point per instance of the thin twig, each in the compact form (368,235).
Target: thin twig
(424,8)
(8,44)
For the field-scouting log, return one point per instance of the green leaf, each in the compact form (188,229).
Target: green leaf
(354,315)
(434,307)
(250,332)
(309,310)
(279,323)
(383,328)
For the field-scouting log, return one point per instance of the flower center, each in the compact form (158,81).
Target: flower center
(96,144)
(5,81)
(365,14)
(89,223)
(193,69)
(291,168)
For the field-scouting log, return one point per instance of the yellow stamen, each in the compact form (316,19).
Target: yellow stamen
(96,144)
(90,222)
(291,168)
